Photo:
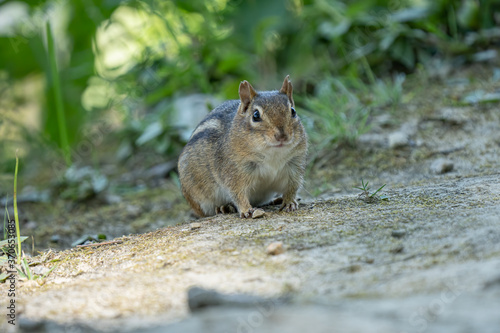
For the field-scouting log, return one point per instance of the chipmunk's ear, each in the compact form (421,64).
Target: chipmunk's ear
(247,93)
(287,89)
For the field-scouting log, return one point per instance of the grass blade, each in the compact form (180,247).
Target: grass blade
(16,215)
(377,190)
(6,218)
(61,120)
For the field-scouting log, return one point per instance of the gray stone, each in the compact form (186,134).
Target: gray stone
(112,199)
(454,116)
(195,225)
(398,233)
(275,248)
(258,213)
(484,56)
(55,238)
(441,166)
(398,139)
(199,298)
(372,140)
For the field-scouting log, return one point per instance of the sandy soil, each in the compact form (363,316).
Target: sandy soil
(425,260)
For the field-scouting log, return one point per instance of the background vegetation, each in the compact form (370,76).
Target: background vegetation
(123,64)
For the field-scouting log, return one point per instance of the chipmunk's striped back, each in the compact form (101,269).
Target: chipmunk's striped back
(244,153)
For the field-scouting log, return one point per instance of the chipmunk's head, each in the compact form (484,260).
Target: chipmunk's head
(270,116)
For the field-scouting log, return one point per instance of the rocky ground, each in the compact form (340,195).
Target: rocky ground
(427,259)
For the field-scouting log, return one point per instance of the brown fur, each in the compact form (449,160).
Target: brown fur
(233,159)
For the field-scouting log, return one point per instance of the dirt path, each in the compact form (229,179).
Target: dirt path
(434,247)
(426,260)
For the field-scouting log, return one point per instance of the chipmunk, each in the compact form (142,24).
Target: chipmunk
(244,153)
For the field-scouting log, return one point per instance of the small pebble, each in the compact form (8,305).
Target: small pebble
(199,298)
(398,139)
(55,238)
(112,199)
(441,166)
(40,270)
(258,213)
(275,248)
(398,233)
(29,325)
(354,268)
(195,225)
(133,211)
(397,249)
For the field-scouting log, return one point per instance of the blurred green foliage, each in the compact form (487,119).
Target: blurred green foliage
(338,113)
(136,57)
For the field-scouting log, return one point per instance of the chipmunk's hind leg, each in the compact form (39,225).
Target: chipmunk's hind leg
(276,201)
(226,209)
(194,205)
(290,207)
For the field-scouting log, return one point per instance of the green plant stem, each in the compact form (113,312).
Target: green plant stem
(16,215)
(61,121)
(6,218)
(368,70)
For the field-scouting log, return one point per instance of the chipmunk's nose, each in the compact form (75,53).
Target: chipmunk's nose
(281,136)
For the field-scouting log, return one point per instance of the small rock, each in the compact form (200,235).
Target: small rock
(496,74)
(384,120)
(258,213)
(441,165)
(492,283)
(199,298)
(55,238)
(31,283)
(369,260)
(133,211)
(40,270)
(275,248)
(195,225)
(372,140)
(480,96)
(354,268)
(112,199)
(29,325)
(397,249)
(398,233)
(454,116)
(398,140)
(484,56)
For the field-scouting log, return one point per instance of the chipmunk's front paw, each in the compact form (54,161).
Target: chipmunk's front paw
(253,213)
(289,206)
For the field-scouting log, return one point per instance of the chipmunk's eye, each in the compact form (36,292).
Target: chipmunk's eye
(294,113)
(256,116)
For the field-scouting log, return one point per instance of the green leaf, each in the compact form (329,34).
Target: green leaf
(411,14)
(387,40)
(330,31)
(377,190)
(403,52)
(5,242)
(152,131)
(3,277)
